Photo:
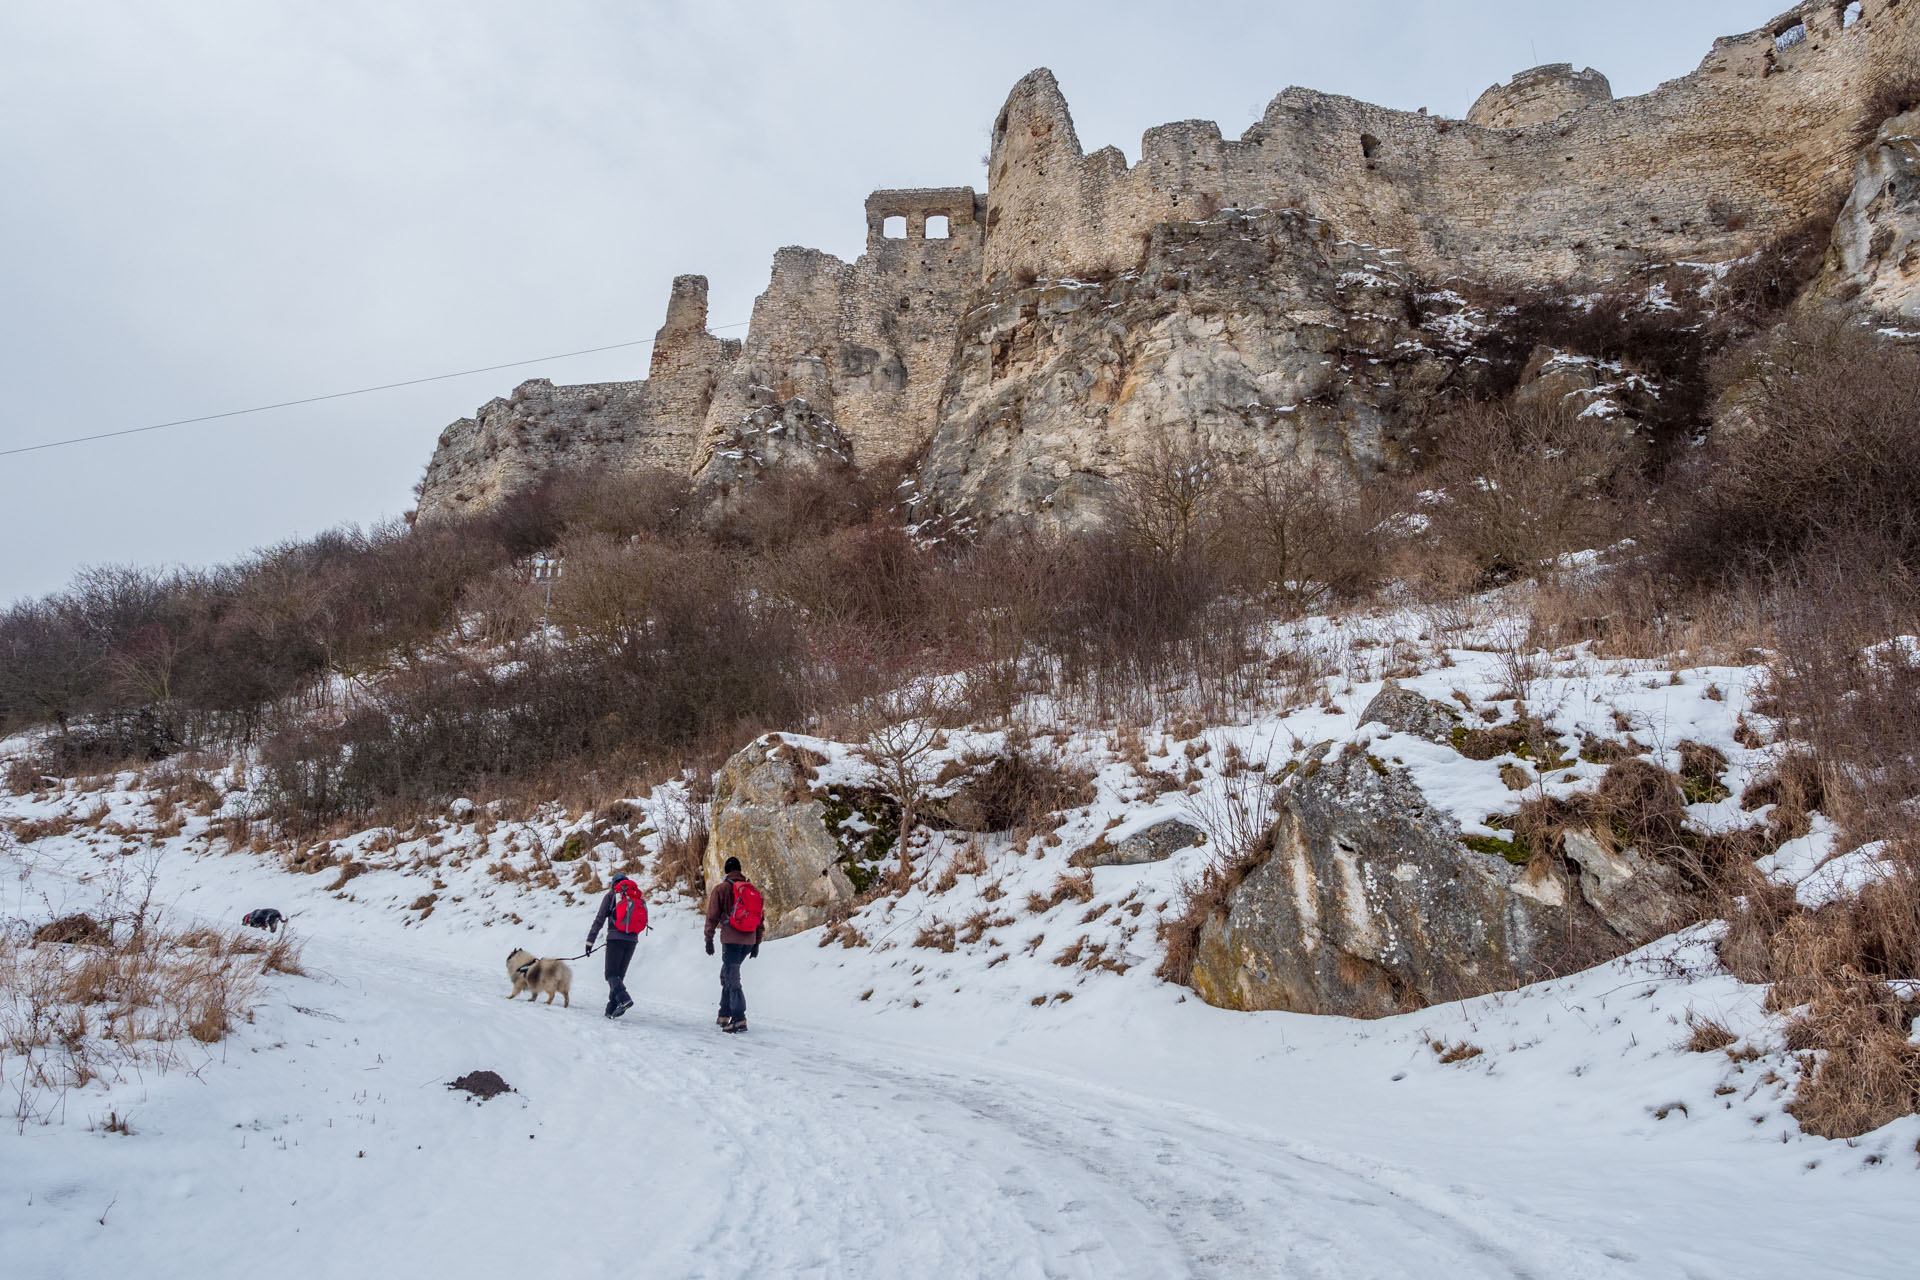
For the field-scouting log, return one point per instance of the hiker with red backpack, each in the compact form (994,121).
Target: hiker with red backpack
(624,912)
(738,911)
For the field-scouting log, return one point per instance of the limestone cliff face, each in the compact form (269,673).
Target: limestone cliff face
(1252,294)
(1259,336)
(1875,259)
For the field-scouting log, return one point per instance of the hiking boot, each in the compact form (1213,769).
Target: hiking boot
(736,1027)
(620,1008)
(723,1022)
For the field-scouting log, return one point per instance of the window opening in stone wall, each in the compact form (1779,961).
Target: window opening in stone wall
(937,226)
(1851,14)
(895,228)
(1369,145)
(1790,36)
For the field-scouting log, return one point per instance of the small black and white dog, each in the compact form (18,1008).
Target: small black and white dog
(263,918)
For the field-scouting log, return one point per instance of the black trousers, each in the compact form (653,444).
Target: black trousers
(619,956)
(733,1000)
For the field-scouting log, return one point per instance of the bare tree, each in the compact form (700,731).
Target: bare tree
(897,754)
(1168,497)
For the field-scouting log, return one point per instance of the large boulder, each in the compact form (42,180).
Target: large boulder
(764,814)
(1368,903)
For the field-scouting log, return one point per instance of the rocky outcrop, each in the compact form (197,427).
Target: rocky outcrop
(777,439)
(763,814)
(1368,903)
(544,430)
(1874,262)
(1155,843)
(1259,337)
(1405,711)
(1639,897)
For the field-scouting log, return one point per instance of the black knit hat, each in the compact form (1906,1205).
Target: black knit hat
(733,865)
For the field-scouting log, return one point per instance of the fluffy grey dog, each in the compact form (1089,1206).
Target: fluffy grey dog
(539,977)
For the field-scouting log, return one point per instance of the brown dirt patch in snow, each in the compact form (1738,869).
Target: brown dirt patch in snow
(79,929)
(481,1084)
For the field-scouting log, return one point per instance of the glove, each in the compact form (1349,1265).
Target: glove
(589,946)
(753,953)
(709,946)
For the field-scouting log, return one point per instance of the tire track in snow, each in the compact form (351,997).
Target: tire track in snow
(872,1160)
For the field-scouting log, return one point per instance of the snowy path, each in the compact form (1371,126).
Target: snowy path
(658,1146)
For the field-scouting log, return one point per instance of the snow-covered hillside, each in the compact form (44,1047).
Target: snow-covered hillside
(990,1080)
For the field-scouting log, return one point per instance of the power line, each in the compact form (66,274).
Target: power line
(339,395)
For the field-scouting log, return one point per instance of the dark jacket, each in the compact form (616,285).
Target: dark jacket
(605,917)
(720,906)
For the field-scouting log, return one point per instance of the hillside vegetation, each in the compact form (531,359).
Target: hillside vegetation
(364,679)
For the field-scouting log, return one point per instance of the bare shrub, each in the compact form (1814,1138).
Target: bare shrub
(1523,484)
(1824,451)
(1024,787)
(679,864)
(1758,288)
(896,754)
(1170,499)
(1300,534)
(1240,825)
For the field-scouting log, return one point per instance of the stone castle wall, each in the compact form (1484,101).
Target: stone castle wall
(865,343)
(1550,181)
(1539,95)
(1709,167)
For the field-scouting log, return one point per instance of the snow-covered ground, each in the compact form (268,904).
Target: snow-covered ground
(977,1106)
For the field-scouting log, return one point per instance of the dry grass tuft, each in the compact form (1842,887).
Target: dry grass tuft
(1449,1054)
(73,1014)
(1833,967)
(679,866)
(1708,1034)
(1078,887)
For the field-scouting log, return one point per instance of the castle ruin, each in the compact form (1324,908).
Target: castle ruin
(1549,182)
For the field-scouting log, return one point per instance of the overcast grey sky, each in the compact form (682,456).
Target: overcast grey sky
(206,206)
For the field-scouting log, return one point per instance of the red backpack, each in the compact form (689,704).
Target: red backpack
(748,907)
(629,908)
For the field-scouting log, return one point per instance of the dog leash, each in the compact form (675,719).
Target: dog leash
(522,970)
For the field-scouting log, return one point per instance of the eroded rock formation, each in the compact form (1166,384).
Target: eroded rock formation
(1253,295)
(1875,259)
